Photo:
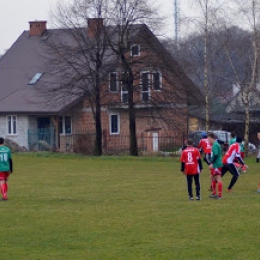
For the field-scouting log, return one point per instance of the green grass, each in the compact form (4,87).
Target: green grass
(64,207)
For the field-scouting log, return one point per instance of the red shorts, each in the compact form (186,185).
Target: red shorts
(242,155)
(4,176)
(216,171)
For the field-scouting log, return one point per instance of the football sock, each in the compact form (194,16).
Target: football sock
(3,191)
(220,187)
(214,183)
(6,187)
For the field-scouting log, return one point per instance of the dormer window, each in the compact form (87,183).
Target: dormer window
(35,79)
(135,50)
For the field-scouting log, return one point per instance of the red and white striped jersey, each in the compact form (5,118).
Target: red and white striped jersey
(232,152)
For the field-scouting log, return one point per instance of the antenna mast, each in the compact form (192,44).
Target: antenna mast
(176,20)
(99,8)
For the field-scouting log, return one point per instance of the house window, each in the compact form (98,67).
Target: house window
(124,91)
(113,82)
(65,125)
(12,125)
(145,86)
(114,124)
(156,81)
(135,50)
(36,77)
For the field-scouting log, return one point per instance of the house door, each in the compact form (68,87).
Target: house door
(44,122)
(155,142)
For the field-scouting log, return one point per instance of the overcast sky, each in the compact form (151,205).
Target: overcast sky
(15,15)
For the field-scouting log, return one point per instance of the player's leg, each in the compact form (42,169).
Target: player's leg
(6,186)
(219,182)
(189,184)
(225,168)
(3,184)
(233,170)
(197,184)
(213,183)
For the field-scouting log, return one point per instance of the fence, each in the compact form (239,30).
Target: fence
(148,143)
(41,139)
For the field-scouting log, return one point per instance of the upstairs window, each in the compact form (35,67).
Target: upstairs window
(113,82)
(156,81)
(11,125)
(135,50)
(36,78)
(124,91)
(145,86)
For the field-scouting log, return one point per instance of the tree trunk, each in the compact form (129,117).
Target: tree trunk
(98,138)
(246,135)
(132,124)
(133,149)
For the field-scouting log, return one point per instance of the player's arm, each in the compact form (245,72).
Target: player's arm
(182,162)
(199,161)
(11,164)
(182,167)
(238,156)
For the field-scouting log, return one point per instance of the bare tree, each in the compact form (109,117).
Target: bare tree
(80,57)
(83,63)
(250,10)
(125,14)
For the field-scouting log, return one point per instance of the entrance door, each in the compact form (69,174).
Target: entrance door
(44,122)
(155,142)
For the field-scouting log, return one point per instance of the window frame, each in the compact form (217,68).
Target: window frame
(110,123)
(149,85)
(131,50)
(117,82)
(123,92)
(35,78)
(63,128)
(12,133)
(160,80)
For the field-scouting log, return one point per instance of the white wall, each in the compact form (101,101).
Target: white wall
(21,138)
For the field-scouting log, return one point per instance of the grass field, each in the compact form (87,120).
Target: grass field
(72,207)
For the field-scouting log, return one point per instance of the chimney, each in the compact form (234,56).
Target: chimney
(37,28)
(94,25)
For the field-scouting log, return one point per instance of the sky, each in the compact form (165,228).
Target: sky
(15,15)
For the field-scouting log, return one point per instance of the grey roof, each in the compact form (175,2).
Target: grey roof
(17,67)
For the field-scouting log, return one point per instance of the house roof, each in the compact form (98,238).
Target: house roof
(27,57)
(17,68)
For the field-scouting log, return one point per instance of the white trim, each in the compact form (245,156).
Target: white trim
(12,126)
(117,82)
(118,123)
(139,50)
(63,132)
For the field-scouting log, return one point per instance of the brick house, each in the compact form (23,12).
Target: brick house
(162,95)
